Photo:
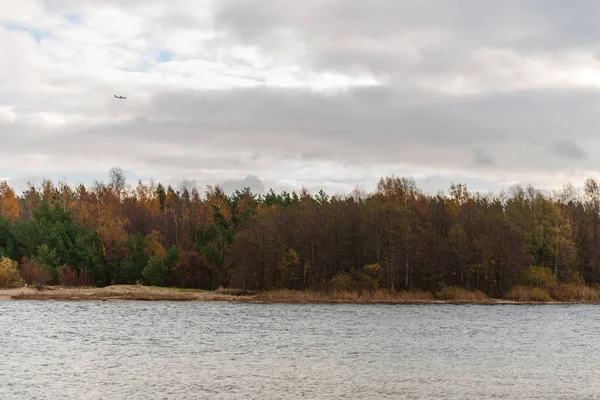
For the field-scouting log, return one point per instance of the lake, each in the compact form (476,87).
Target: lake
(162,350)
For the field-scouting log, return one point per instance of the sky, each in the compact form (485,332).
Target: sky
(285,94)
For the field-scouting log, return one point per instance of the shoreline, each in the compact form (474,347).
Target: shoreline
(148,293)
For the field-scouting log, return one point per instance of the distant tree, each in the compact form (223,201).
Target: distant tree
(117,181)
(9,204)
(136,259)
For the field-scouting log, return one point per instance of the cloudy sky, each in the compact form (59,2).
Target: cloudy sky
(324,94)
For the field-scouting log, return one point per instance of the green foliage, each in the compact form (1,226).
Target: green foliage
(215,240)
(156,272)
(162,196)
(136,259)
(8,240)
(65,241)
(405,240)
(47,257)
(171,257)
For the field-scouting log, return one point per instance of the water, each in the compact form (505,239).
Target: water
(140,350)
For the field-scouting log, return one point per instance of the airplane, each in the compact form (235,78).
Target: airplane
(119,97)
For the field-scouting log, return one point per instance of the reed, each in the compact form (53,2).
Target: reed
(575,293)
(344,296)
(528,294)
(453,293)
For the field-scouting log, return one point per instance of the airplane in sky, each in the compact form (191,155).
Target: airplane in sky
(119,97)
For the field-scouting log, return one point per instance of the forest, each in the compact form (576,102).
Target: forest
(397,238)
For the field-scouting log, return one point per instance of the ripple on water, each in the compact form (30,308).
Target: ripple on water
(139,350)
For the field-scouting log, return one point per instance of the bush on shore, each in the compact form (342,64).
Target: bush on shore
(9,274)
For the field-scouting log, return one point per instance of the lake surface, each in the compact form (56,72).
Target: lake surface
(142,350)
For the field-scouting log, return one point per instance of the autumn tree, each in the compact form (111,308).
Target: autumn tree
(9,273)
(9,204)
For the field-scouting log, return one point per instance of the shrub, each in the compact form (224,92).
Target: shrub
(192,270)
(574,292)
(523,293)
(574,277)
(369,277)
(540,277)
(341,281)
(156,272)
(9,274)
(34,272)
(69,276)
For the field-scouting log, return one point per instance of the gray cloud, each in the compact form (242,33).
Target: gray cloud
(465,87)
(567,148)
(390,36)
(256,185)
(482,159)
(258,128)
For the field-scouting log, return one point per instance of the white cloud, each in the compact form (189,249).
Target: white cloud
(328,97)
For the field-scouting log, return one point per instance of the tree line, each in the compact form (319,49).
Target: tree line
(397,237)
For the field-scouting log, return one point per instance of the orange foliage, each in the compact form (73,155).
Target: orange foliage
(9,204)
(153,241)
(113,232)
(216,197)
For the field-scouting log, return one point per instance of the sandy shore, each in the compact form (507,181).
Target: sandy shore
(114,293)
(147,293)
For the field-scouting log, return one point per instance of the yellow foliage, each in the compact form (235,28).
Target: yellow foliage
(342,281)
(155,248)
(371,276)
(9,204)
(290,259)
(217,198)
(539,277)
(113,231)
(9,274)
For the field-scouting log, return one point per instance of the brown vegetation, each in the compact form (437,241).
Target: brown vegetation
(344,296)
(453,293)
(575,293)
(396,244)
(528,294)
(70,277)
(34,273)
(115,293)
(519,294)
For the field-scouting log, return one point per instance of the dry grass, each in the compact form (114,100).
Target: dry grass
(571,293)
(528,294)
(575,293)
(142,294)
(120,292)
(452,293)
(519,294)
(344,296)
(234,292)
